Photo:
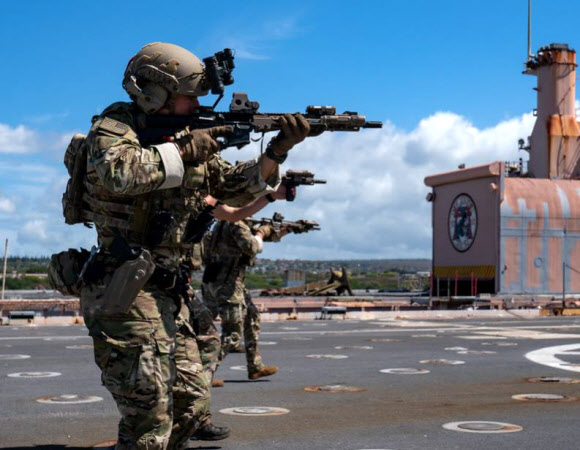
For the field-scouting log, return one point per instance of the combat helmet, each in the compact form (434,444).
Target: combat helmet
(160,70)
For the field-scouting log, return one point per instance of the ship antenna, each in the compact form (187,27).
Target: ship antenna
(529,30)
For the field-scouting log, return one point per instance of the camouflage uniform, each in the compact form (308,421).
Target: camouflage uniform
(230,248)
(148,355)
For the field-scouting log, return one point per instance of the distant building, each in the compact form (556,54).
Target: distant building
(294,277)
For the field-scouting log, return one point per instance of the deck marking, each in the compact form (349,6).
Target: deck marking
(547,357)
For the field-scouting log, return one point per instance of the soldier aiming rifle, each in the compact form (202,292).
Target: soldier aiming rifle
(293,178)
(148,171)
(278,223)
(229,249)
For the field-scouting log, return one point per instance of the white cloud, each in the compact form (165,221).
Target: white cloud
(23,140)
(253,41)
(17,140)
(7,206)
(33,231)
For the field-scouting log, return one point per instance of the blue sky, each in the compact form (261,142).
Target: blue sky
(427,68)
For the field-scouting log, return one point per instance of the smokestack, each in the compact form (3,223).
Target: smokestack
(555,143)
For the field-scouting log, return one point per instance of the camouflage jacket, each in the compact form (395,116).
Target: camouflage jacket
(228,250)
(127,184)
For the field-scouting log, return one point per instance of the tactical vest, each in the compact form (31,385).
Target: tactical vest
(223,257)
(133,217)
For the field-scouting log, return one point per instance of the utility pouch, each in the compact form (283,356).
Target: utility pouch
(126,282)
(75,160)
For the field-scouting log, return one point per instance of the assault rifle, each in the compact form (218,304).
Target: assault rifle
(244,118)
(293,178)
(277,222)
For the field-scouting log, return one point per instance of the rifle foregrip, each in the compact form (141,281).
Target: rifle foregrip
(290,192)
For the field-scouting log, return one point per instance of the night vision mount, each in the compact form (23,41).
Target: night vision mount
(218,69)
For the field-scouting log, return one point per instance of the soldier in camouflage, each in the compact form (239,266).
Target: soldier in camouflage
(229,249)
(206,334)
(141,192)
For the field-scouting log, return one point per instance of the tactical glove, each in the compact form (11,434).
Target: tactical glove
(269,234)
(295,128)
(199,145)
(266,231)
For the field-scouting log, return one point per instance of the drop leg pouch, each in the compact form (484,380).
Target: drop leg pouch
(126,282)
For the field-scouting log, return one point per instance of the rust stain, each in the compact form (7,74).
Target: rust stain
(564,57)
(554,273)
(548,233)
(564,125)
(512,261)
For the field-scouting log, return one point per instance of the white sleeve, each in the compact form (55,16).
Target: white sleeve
(260,243)
(172,165)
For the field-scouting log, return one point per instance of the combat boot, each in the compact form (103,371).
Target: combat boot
(239,349)
(263,372)
(209,432)
(216,382)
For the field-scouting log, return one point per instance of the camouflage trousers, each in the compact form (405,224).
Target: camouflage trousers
(207,337)
(150,364)
(241,319)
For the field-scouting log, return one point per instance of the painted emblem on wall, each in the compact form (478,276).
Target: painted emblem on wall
(462,222)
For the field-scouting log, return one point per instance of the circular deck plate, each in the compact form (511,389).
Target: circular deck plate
(501,344)
(384,340)
(405,371)
(267,343)
(456,349)
(475,352)
(442,362)
(327,356)
(238,368)
(254,411)
(13,357)
(334,388)
(34,374)
(564,380)
(353,347)
(542,398)
(482,427)
(70,399)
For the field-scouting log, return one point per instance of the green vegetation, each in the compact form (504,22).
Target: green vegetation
(375,280)
(263,281)
(25,264)
(26,283)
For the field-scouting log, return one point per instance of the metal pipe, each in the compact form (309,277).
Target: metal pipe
(4,271)
(529,29)
(563,285)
